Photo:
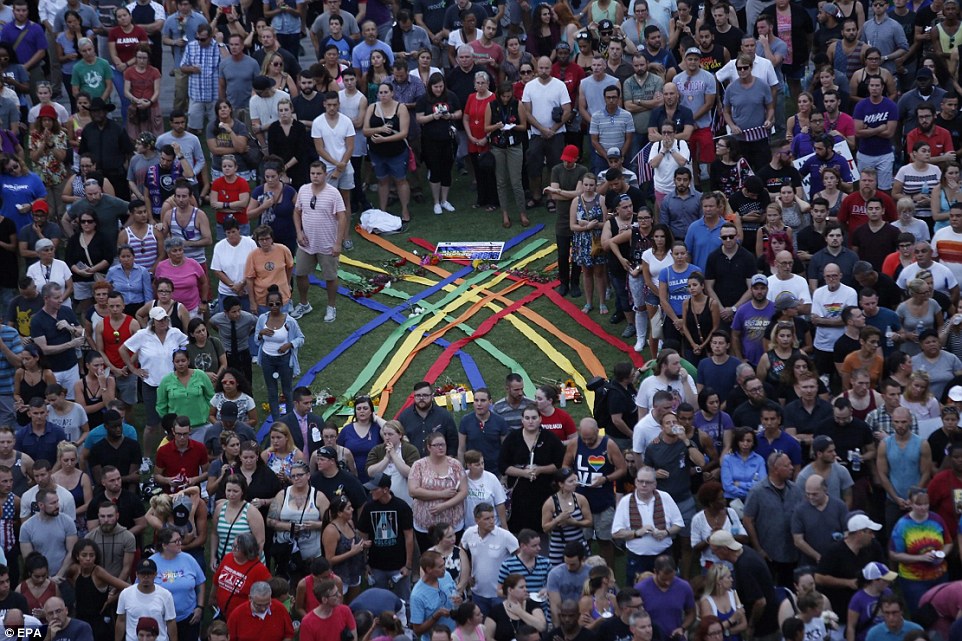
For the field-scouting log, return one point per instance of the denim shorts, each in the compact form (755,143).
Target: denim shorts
(390,167)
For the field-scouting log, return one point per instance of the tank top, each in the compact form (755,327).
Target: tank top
(174,315)
(90,603)
(228,531)
(145,249)
(862,88)
(351,569)
(776,365)
(699,325)
(78,181)
(862,414)
(351,107)
(608,14)
(112,341)
(34,602)
(28,391)
(387,149)
(78,498)
(724,616)
(947,41)
(478,632)
(562,535)
(308,542)
(188,232)
(903,463)
(95,418)
(589,463)
(847,64)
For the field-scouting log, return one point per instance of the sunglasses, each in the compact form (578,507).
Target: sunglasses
(274,304)
(742,68)
(313,202)
(731,237)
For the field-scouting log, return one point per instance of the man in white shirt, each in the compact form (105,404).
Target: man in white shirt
(228,262)
(828,301)
(333,135)
(489,545)
(541,98)
(647,521)
(783,280)
(649,426)
(669,375)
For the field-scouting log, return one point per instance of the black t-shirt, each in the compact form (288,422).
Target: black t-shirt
(856,434)
(340,483)
(773,179)
(14,601)
(844,346)
(385,525)
(506,629)
(954,128)
(809,240)
(129,507)
(437,130)
(730,274)
(9,274)
(621,401)
(43,324)
(939,442)
(21,310)
(753,581)
(889,294)
(129,453)
(682,116)
(306,109)
(840,562)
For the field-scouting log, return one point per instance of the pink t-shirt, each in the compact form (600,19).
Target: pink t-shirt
(320,221)
(186,278)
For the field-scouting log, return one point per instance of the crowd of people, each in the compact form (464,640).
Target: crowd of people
(766,192)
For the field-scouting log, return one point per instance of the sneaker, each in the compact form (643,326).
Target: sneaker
(372,188)
(640,345)
(437,209)
(629,332)
(347,245)
(300,310)
(330,315)
(446,206)
(616,318)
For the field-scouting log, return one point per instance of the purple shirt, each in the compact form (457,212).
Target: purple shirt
(864,604)
(752,324)
(873,115)
(34,41)
(667,608)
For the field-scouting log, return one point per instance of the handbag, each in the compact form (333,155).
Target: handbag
(412,161)
(253,156)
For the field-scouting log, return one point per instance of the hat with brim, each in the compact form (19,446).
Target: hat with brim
(724,539)
(98,104)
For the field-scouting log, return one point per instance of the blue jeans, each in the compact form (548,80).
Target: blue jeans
(912,591)
(635,564)
(486,604)
(245,230)
(280,365)
(383,579)
(118,81)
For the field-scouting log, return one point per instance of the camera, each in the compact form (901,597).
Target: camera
(595,383)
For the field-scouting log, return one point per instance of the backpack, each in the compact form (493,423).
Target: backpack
(600,410)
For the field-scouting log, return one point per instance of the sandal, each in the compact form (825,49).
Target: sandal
(603,309)
(506,223)
(524,221)
(532,203)
(587,308)
(552,207)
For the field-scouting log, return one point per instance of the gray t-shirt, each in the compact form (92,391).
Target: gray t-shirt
(566,583)
(819,528)
(189,146)
(239,75)
(322,25)
(744,102)
(838,480)
(47,536)
(594,91)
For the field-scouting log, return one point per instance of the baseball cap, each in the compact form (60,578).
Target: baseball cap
(157,313)
(955,393)
(228,410)
(831,9)
(859,522)
(43,243)
(724,539)
(614,152)
(379,480)
(260,83)
(146,566)
(924,72)
(785,301)
(693,51)
(759,279)
(563,46)
(570,154)
(876,570)
(606,25)
(40,205)
(328,453)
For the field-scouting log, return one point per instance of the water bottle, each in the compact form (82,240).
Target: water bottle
(889,337)
(919,328)
(856,460)
(755,477)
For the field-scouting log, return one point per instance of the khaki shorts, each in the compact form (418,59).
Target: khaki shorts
(305,264)
(601,525)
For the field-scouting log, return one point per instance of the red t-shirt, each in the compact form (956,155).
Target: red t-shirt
(314,628)
(945,490)
(242,625)
(126,43)
(171,460)
(141,84)
(852,214)
(233,578)
(560,424)
(231,192)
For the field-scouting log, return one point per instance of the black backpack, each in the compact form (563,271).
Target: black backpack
(600,410)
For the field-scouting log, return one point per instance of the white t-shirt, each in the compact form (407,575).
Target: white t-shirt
(62,114)
(664,174)
(761,69)
(68,507)
(646,430)
(231,260)
(265,109)
(828,304)
(335,139)
(487,489)
(917,228)
(71,422)
(947,247)
(653,384)
(655,266)
(541,99)
(796,285)
(456,40)
(943,278)
(158,605)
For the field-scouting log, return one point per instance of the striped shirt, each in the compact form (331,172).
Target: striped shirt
(11,337)
(535,577)
(612,129)
(319,221)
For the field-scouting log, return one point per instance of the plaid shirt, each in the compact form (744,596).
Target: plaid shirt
(879,420)
(202,87)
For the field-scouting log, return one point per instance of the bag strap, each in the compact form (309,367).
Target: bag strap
(223,545)
(23,34)
(238,586)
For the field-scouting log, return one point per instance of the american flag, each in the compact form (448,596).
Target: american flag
(645,173)
(753,134)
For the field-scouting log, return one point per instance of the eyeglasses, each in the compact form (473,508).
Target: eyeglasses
(176,542)
(645,482)
(526,72)
(438,445)
(274,304)
(298,476)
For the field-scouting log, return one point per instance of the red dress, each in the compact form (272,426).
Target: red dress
(474,112)
(36,603)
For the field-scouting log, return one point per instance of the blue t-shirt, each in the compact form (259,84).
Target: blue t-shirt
(180,576)
(720,378)
(873,115)
(881,632)
(485,438)
(677,283)
(361,56)
(752,324)
(425,600)
(19,190)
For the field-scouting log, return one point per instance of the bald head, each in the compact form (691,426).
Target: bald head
(588,430)
(784,255)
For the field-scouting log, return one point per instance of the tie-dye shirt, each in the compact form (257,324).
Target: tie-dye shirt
(913,537)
